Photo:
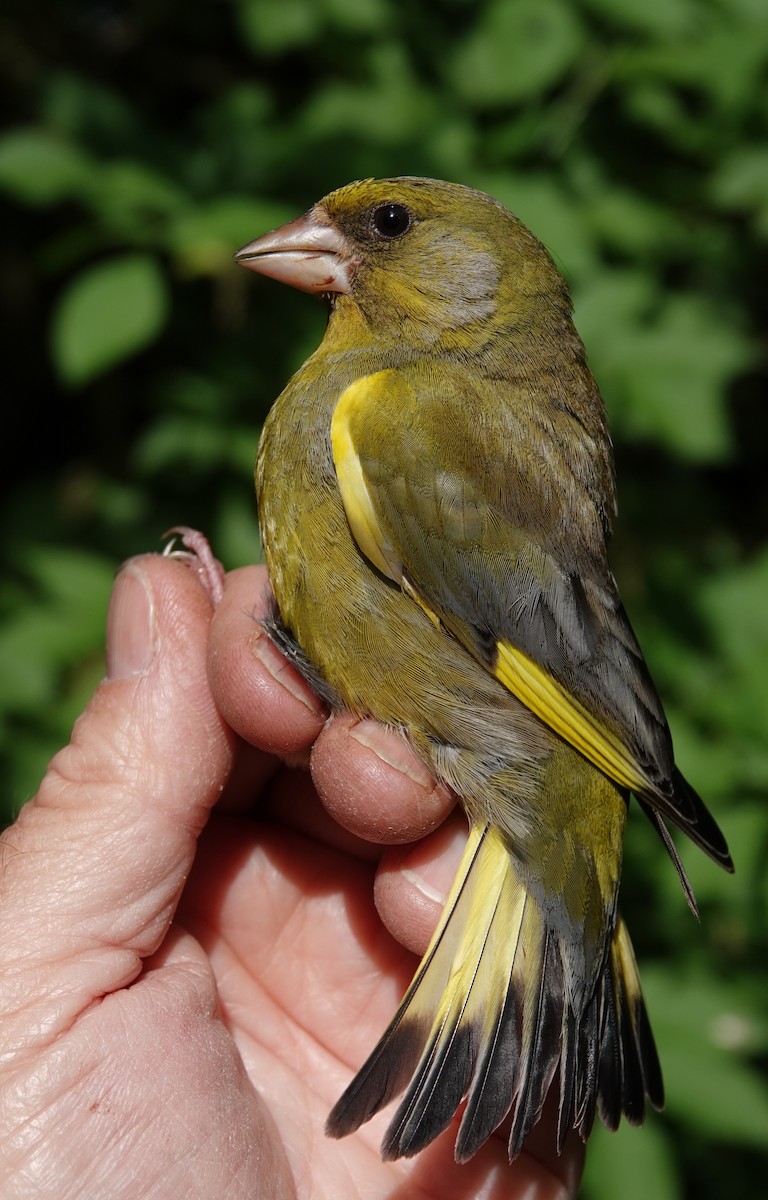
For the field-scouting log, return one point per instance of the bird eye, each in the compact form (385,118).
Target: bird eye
(391,220)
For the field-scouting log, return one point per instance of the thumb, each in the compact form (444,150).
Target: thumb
(92,870)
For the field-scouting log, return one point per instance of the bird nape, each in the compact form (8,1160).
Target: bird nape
(436,494)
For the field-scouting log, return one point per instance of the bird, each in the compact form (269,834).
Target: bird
(436,496)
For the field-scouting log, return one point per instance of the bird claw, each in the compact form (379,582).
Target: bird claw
(199,557)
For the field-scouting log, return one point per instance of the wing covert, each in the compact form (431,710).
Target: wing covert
(495,556)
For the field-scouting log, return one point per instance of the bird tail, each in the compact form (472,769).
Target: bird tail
(488,1019)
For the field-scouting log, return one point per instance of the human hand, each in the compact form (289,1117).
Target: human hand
(183,998)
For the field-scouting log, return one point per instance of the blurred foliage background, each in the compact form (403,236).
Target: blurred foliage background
(145,141)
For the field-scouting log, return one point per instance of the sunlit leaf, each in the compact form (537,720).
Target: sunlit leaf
(663,371)
(741,183)
(734,603)
(205,237)
(277,27)
(661,18)
(40,168)
(516,50)
(108,312)
(388,101)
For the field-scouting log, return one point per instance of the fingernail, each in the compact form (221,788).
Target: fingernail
(286,675)
(130,625)
(392,749)
(434,877)
(439,895)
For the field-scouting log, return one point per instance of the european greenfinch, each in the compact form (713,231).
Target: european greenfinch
(436,493)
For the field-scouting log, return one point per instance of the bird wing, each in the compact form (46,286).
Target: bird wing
(489,555)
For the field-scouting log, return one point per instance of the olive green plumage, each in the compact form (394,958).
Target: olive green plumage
(436,492)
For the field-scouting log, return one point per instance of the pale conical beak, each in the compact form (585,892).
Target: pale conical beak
(309,253)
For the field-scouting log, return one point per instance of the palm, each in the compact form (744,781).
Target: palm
(307,980)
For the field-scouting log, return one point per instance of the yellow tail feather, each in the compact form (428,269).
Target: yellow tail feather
(494,1008)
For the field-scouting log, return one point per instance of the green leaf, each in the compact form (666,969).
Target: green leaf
(660,18)
(236,528)
(676,377)
(663,366)
(106,314)
(391,100)
(654,103)
(133,200)
(720,1096)
(90,108)
(741,183)
(274,28)
(722,58)
(204,238)
(181,440)
(516,50)
(61,620)
(631,223)
(358,16)
(634,1164)
(704,1026)
(734,605)
(39,168)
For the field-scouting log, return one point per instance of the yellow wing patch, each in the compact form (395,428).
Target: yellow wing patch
(532,685)
(537,690)
(355,495)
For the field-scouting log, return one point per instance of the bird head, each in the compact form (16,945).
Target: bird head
(434,263)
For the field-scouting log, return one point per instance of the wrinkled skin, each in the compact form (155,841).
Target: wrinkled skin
(183,995)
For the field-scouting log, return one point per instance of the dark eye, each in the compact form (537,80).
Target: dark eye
(391,220)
